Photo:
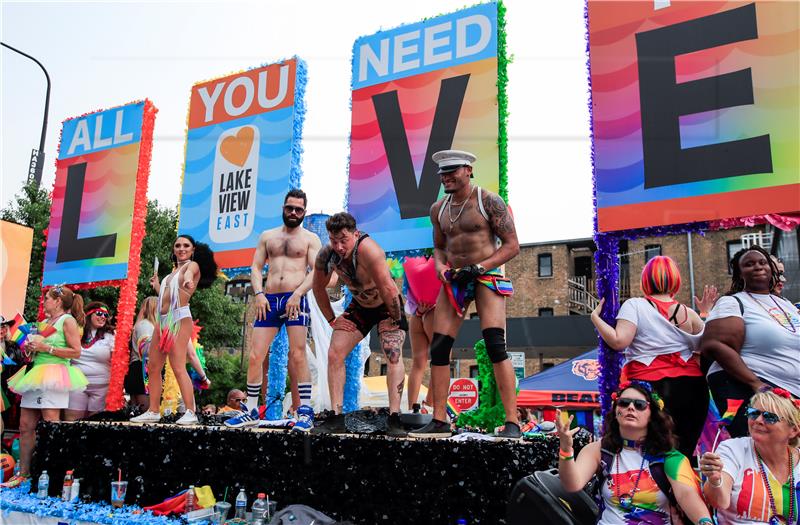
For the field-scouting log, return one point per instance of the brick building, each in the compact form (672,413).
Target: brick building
(554,285)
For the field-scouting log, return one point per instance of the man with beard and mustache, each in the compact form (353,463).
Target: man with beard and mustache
(290,251)
(473,236)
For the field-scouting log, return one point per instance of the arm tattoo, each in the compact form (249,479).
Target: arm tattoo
(394,309)
(499,216)
(321,263)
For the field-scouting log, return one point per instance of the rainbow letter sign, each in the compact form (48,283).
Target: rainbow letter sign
(242,156)
(419,89)
(695,109)
(95,192)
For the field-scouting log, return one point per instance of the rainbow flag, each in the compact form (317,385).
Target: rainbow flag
(18,321)
(732,407)
(452,410)
(46,330)
(21,333)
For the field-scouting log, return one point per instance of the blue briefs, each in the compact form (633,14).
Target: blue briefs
(276,316)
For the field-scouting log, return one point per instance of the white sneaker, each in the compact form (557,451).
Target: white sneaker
(188,418)
(147,417)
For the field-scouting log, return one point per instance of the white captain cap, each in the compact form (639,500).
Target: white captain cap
(452,159)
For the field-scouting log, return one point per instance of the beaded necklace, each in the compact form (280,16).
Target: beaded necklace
(626,500)
(789,323)
(778,519)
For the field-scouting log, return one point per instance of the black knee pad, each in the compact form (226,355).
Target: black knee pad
(495,339)
(441,345)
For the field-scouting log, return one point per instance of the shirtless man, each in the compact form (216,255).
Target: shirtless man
(361,264)
(467,223)
(290,250)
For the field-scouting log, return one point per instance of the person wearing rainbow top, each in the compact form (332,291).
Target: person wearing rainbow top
(754,479)
(643,479)
(46,383)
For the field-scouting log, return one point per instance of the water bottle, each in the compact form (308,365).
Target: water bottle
(76,491)
(66,489)
(190,499)
(260,510)
(241,505)
(44,485)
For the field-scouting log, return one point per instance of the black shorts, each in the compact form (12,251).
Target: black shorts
(134,381)
(365,318)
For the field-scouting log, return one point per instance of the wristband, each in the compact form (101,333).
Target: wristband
(260,293)
(565,458)
(565,455)
(51,350)
(714,486)
(331,320)
(708,521)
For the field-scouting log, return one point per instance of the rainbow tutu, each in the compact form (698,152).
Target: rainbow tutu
(51,376)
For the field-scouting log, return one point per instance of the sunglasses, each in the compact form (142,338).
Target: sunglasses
(296,209)
(769,417)
(240,400)
(638,404)
(102,314)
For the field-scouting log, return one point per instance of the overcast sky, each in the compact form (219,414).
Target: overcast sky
(103,54)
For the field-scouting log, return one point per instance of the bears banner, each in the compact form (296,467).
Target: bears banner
(101,177)
(695,110)
(242,156)
(418,89)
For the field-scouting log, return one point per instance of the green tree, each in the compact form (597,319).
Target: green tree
(31,207)
(219,316)
(226,372)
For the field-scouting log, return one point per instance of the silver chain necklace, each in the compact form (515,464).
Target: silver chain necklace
(463,207)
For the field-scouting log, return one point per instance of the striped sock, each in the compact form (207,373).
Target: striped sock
(305,393)
(253,390)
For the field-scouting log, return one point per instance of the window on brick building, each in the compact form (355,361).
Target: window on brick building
(384,369)
(545,265)
(473,371)
(545,312)
(547,366)
(453,371)
(651,250)
(366,368)
(733,247)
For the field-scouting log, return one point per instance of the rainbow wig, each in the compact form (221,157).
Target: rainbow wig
(660,275)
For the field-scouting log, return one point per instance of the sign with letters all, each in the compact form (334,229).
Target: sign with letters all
(695,109)
(89,238)
(241,146)
(419,89)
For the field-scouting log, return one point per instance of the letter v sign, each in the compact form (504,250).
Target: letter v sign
(416,200)
(70,247)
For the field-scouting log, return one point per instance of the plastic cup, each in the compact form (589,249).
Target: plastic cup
(222,509)
(118,491)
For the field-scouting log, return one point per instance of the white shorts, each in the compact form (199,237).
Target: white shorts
(93,399)
(39,399)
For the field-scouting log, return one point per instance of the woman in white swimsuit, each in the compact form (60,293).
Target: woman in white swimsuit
(194,267)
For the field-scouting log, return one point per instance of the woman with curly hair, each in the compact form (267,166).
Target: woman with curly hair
(45,384)
(97,344)
(194,268)
(755,478)
(643,478)
(753,336)
(659,338)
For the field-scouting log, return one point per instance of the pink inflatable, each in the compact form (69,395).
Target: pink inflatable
(422,280)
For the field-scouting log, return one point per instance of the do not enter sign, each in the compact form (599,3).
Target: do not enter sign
(463,395)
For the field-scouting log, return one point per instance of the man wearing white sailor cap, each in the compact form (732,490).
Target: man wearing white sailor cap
(450,160)
(473,236)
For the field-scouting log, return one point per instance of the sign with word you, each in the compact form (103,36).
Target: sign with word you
(419,89)
(695,110)
(95,192)
(463,395)
(241,147)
